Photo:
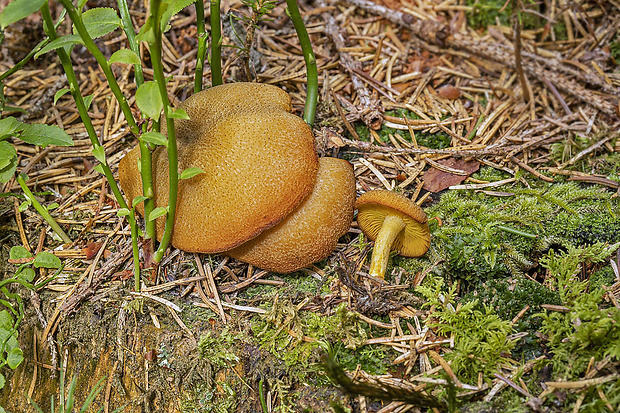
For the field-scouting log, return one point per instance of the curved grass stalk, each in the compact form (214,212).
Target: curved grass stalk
(173,173)
(216,44)
(42,210)
(202,45)
(312,74)
(74,87)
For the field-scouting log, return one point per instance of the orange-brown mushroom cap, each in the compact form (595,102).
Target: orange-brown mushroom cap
(311,232)
(259,162)
(374,206)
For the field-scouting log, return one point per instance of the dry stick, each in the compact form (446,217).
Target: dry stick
(436,33)
(371,111)
(525,90)
(369,147)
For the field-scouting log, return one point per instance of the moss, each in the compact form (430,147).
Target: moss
(480,336)
(590,329)
(488,12)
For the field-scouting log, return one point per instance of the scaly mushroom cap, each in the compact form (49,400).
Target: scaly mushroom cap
(374,206)
(259,162)
(311,232)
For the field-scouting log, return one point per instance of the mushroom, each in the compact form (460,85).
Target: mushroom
(259,162)
(311,232)
(395,223)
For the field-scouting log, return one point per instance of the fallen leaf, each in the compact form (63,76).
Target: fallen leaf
(436,180)
(449,92)
(91,249)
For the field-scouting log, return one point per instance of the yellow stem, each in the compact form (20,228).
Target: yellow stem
(392,225)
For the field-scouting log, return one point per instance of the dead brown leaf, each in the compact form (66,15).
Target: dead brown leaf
(436,180)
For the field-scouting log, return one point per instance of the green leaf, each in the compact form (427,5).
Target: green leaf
(17,10)
(10,125)
(157,212)
(138,199)
(146,32)
(15,357)
(2,382)
(125,56)
(18,252)
(42,135)
(99,168)
(7,153)
(100,21)
(88,100)
(46,260)
(99,154)
(60,94)
(8,161)
(62,41)
(6,320)
(122,212)
(24,206)
(8,171)
(53,205)
(149,100)
(191,172)
(179,114)
(26,274)
(155,138)
(173,8)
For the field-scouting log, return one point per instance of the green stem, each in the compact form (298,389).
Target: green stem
(145,152)
(123,9)
(76,18)
(41,210)
(312,74)
(202,45)
(74,87)
(517,232)
(25,60)
(173,163)
(136,251)
(216,44)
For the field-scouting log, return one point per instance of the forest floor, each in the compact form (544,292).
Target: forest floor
(506,134)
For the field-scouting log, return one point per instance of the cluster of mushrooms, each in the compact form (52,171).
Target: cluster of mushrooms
(265,197)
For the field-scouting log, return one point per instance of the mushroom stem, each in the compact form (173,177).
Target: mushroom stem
(392,226)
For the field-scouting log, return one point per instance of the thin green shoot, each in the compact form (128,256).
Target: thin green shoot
(312,74)
(202,45)
(42,210)
(216,44)
(173,173)
(74,85)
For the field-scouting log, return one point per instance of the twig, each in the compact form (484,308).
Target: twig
(371,110)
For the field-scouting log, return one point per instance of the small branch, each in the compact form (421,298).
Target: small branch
(436,33)
(371,111)
(525,89)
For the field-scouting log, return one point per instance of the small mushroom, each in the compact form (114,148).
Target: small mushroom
(259,162)
(311,232)
(395,223)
